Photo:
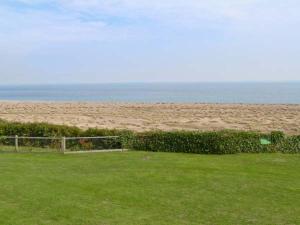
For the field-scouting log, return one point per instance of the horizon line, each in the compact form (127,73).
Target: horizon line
(151,82)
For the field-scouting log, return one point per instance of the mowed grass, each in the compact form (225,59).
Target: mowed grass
(149,188)
(26,149)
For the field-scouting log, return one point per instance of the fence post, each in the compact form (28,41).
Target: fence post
(16,143)
(63,144)
(121,141)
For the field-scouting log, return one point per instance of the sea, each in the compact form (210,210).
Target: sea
(229,92)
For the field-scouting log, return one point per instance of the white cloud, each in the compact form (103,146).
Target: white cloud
(148,34)
(230,9)
(233,9)
(63,21)
(185,13)
(47,26)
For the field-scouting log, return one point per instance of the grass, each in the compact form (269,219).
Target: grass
(26,149)
(149,188)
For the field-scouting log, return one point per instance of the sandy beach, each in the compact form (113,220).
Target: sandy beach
(163,116)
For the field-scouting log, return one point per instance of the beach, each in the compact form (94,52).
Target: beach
(159,116)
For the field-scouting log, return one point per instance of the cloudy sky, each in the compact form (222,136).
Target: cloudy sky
(95,41)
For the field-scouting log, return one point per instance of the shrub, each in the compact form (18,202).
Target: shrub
(220,142)
(277,137)
(37,129)
(214,142)
(289,145)
(51,130)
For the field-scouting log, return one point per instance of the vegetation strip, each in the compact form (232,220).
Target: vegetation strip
(215,142)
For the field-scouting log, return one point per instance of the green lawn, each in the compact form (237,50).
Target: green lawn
(26,149)
(149,188)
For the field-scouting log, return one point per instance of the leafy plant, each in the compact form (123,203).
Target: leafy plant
(214,142)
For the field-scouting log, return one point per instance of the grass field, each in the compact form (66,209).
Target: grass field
(26,149)
(136,188)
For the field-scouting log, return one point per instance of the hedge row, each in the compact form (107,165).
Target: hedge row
(218,142)
(50,130)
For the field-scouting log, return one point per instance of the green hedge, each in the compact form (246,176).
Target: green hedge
(222,142)
(37,129)
(218,142)
(289,145)
(50,130)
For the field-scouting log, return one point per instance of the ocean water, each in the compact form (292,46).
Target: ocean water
(266,93)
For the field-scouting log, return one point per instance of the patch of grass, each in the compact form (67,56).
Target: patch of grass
(149,188)
(25,149)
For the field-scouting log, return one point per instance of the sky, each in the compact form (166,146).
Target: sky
(100,41)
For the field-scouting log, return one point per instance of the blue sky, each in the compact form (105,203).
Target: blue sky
(95,41)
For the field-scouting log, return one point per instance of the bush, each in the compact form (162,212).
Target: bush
(215,142)
(220,142)
(289,145)
(37,129)
(50,130)
(277,137)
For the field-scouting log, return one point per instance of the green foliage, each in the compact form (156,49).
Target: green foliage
(289,145)
(215,142)
(218,142)
(37,129)
(51,130)
(277,137)
(221,142)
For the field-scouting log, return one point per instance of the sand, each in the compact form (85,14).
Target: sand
(163,116)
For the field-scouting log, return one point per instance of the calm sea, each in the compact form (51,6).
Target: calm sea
(268,93)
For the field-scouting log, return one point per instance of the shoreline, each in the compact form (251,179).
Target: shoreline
(156,116)
(144,103)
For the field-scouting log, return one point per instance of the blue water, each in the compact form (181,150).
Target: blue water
(268,93)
